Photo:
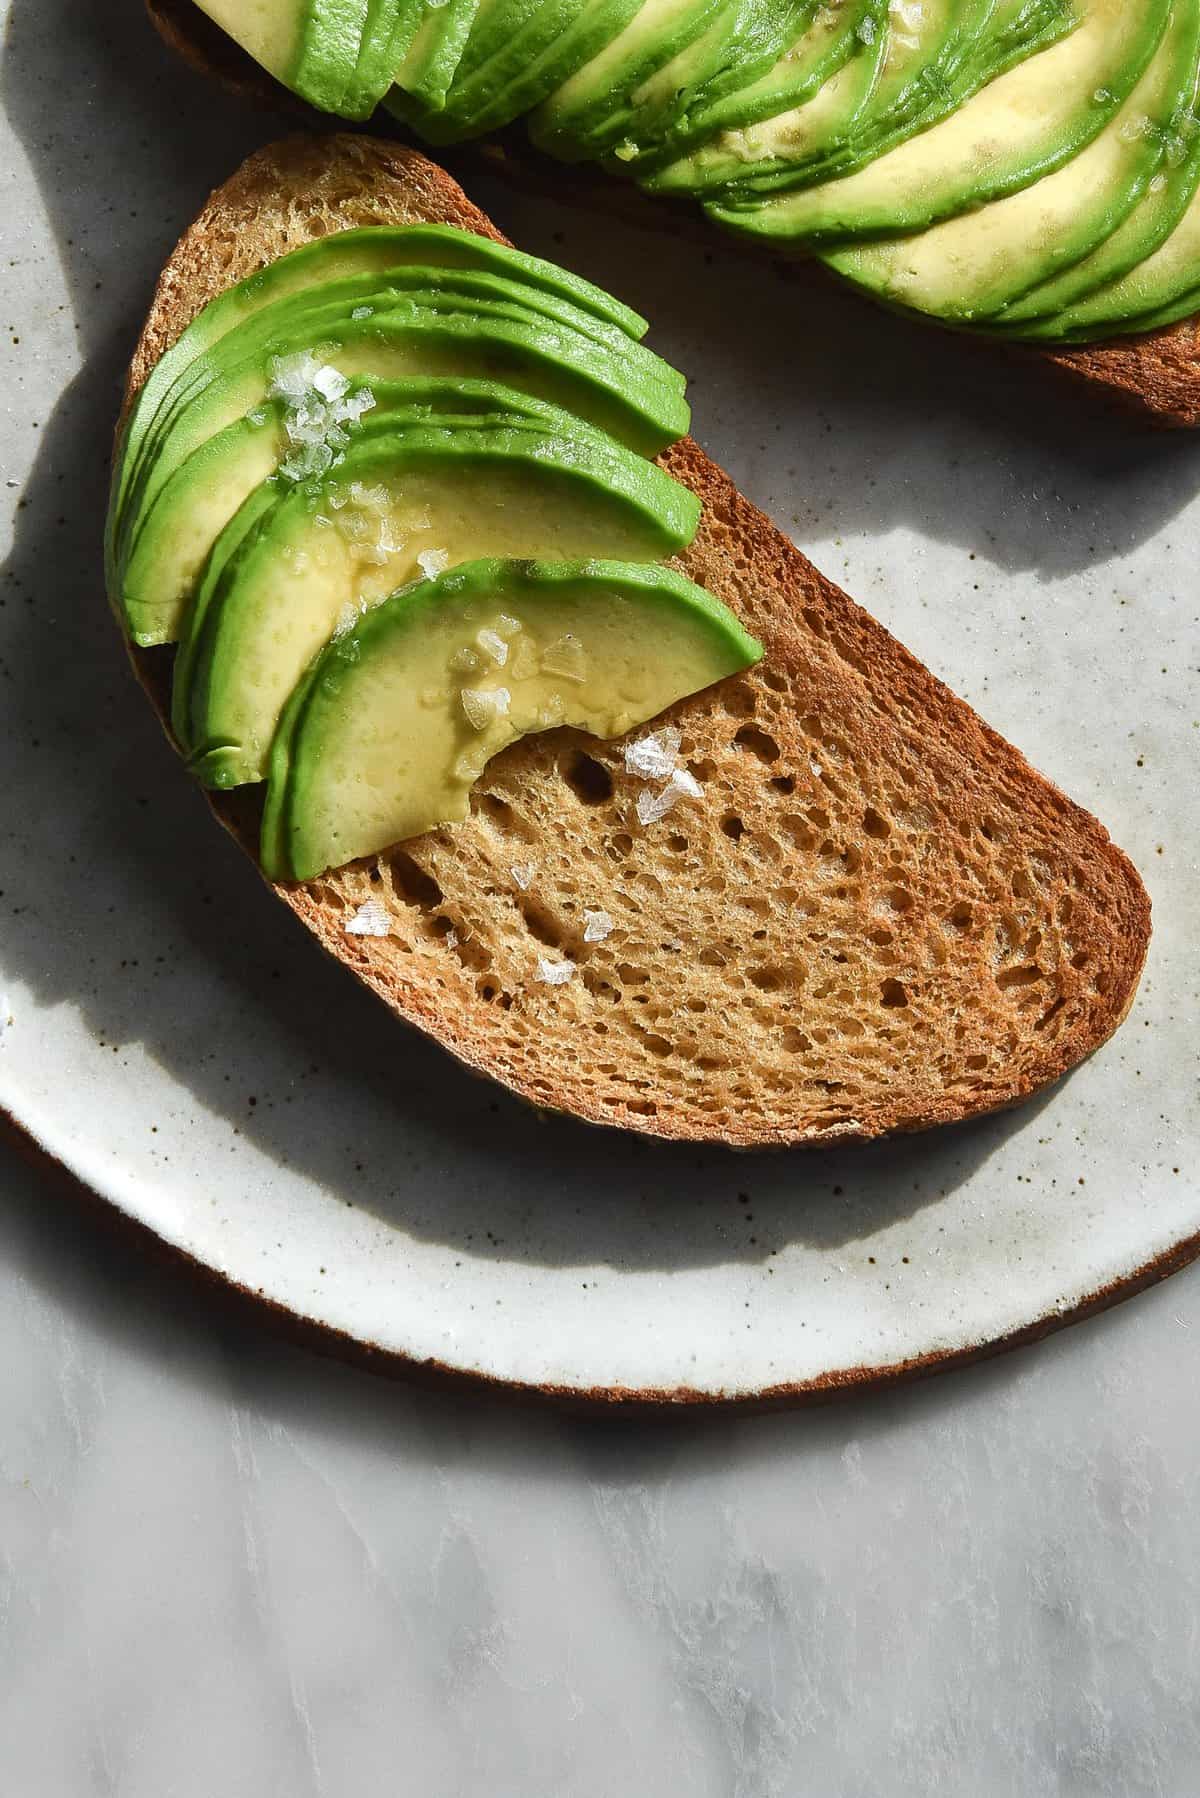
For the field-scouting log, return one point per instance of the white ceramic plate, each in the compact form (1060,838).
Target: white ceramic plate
(180,1044)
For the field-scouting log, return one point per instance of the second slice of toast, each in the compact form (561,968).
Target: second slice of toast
(1155,374)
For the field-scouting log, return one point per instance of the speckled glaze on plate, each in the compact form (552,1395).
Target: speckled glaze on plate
(177,1042)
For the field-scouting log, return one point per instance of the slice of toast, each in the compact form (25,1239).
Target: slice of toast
(876,918)
(1156,375)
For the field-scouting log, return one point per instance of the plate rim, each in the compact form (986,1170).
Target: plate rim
(330,1340)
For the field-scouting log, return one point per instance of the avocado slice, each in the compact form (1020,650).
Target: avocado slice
(211,485)
(594,105)
(802,136)
(531,53)
(291,561)
(743,42)
(712,146)
(387,37)
(423,77)
(917,51)
(1158,291)
(1020,127)
(742,35)
(312,46)
(387,731)
(1108,290)
(969,267)
(271,31)
(820,143)
(468,326)
(371,249)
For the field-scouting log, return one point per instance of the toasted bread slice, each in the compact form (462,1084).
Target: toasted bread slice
(1156,374)
(877,917)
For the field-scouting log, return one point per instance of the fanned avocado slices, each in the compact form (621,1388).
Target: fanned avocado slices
(193,506)
(973,266)
(344,255)
(291,561)
(474,326)
(863,132)
(387,731)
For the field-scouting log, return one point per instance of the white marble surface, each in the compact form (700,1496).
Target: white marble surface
(229,1567)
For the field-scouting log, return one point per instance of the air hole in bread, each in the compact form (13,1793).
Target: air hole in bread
(739,699)
(875,824)
(588,779)
(413,883)
(758,743)
(1024,976)
(959,916)
(892,993)
(542,924)
(732,825)
(784,783)
(1048,1016)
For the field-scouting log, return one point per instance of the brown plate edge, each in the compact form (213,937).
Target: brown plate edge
(326,1339)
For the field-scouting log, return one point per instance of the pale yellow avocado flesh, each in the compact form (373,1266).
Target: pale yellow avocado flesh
(271,31)
(294,590)
(972,265)
(1016,120)
(389,733)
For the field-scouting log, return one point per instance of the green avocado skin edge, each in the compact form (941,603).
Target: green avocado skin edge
(852,131)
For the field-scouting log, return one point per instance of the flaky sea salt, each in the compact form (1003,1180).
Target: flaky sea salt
(484,705)
(522,873)
(654,757)
(554,973)
(653,806)
(433,562)
(371,919)
(596,926)
(493,646)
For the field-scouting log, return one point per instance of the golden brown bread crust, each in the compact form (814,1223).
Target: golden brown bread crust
(1156,375)
(879,917)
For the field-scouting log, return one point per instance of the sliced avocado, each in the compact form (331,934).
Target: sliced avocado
(271,31)
(293,565)
(546,348)
(819,143)
(596,102)
(329,54)
(661,99)
(971,266)
(423,77)
(1157,292)
(1017,129)
(925,42)
(343,255)
(213,483)
(914,49)
(390,28)
(711,147)
(388,730)
(800,137)
(556,38)
(743,42)
(1108,290)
